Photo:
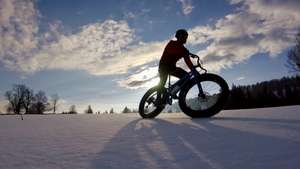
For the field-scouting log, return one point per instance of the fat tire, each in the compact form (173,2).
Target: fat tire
(142,104)
(212,110)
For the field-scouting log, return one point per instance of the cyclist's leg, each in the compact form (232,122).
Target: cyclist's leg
(163,79)
(179,73)
(163,75)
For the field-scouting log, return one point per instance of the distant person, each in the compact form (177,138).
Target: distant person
(174,51)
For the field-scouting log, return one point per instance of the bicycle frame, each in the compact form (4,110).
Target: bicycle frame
(181,82)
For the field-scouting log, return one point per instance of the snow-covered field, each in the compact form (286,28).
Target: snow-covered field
(241,139)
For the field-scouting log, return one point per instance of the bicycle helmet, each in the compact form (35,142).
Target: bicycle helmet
(180,33)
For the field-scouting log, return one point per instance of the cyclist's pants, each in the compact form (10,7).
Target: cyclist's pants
(165,70)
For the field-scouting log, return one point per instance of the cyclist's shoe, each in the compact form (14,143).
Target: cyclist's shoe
(169,101)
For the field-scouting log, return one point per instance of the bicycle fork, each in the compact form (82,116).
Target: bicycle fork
(201,93)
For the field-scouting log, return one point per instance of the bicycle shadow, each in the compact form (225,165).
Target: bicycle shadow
(200,143)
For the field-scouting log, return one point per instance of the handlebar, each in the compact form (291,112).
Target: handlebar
(199,63)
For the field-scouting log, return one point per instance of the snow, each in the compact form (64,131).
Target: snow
(266,138)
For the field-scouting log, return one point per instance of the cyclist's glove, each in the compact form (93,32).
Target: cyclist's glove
(193,55)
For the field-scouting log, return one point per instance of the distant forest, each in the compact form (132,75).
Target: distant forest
(279,92)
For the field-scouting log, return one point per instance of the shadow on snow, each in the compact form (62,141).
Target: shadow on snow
(201,143)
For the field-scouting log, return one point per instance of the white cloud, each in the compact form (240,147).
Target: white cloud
(102,48)
(240,78)
(144,78)
(266,26)
(130,15)
(187,6)
(18,29)
(95,48)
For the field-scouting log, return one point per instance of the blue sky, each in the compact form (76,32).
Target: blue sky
(91,52)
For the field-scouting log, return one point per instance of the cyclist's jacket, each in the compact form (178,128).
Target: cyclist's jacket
(173,52)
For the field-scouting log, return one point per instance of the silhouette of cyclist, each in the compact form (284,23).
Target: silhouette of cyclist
(174,51)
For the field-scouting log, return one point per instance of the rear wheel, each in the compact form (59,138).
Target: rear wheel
(215,94)
(149,106)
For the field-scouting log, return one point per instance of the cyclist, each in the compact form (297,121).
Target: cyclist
(174,51)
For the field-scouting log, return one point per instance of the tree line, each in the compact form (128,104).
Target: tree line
(280,92)
(89,110)
(22,99)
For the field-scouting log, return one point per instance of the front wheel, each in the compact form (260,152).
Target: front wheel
(149,106)
(205,103)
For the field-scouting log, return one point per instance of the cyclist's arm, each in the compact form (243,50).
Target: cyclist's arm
(189,62)
(186,55)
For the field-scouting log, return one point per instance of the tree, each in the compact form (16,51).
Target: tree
(237,98)
(40,103)
(111,111)
(73,110)
(28,99)
(89,110)
(23,98)
(293,57)
(15,98)
(54,101)
(126,110)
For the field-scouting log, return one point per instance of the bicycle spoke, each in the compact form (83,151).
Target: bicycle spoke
(211,93)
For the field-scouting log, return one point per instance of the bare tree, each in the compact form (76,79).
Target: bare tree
(54,100)
(13,105)
(111,111)
(73,110)
(15,98)
(89,110)
(28,99)
(40,103)
(126,110)
(293,61)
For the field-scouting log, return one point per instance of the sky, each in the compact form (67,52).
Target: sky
(106,54)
